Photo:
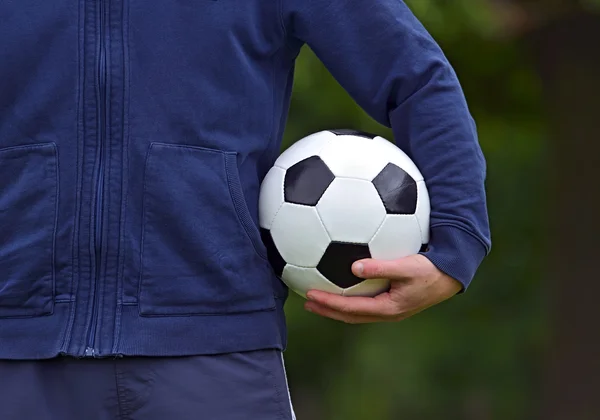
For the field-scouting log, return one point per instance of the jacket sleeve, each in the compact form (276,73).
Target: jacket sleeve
(392,67)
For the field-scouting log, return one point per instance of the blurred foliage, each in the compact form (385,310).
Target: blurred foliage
(477,356)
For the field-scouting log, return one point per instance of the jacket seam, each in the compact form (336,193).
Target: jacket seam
(273,133)
(144,221)
(55,227)
(26,146)
(287,34)
(281,19)
(80,133)
(122,248)
(233,182)
(104,262)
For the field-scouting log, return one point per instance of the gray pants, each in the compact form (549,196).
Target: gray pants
(239,386)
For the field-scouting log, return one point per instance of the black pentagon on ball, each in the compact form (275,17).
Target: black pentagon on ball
(350,132)
(336,263)
(306,181)
(275,258)
(397,189)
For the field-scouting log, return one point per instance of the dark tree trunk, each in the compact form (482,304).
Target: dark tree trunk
(567,56)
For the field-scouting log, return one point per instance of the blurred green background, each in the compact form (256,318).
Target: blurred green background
(522,343)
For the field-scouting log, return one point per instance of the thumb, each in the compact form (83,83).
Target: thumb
(385,269)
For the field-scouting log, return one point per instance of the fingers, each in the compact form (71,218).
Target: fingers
(399,269)
(379,306)
(416,284)
(351,318)
(340,316)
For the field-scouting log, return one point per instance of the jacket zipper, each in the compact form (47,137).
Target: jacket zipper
(102,97)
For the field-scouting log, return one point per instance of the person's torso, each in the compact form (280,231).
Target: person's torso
(133,138)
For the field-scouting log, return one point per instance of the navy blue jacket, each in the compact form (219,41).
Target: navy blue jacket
(134,135)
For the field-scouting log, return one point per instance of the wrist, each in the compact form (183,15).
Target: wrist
(456,252)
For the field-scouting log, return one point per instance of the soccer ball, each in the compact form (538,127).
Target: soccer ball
(335,197)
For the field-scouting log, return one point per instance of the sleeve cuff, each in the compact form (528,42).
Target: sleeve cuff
(456,252)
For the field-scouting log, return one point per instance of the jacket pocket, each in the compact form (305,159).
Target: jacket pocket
(201,251)
(28,210)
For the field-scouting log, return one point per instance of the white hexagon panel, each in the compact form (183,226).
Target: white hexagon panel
(271,196)
(299,235)
(302,279)
(354,157)
(399,236)
(351,210)
(305,148)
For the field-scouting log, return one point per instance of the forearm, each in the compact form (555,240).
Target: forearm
(396,72)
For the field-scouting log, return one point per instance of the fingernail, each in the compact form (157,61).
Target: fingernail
(308,308)
(359,268)
(310,296)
